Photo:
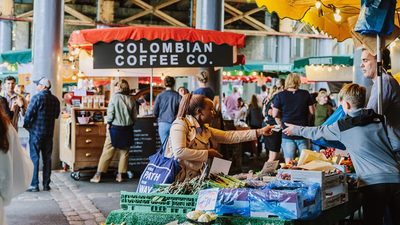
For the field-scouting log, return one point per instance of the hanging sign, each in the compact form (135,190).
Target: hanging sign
(158,53)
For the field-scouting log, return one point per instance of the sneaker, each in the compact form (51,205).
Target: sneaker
(119,178)
(96,178)
(46,188)
(33,189)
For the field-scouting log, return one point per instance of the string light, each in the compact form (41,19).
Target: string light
(336,13)
(318,4)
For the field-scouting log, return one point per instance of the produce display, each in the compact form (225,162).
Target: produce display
(194,185)
(213,198)
(200,217)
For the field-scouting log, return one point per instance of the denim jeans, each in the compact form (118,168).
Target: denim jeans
(45,146)
(163,130)
(290,146)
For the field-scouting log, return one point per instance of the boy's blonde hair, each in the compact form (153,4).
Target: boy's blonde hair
(292,81)
(354,94)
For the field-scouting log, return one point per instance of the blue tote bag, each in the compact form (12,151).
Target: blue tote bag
(160,170)
(337,115)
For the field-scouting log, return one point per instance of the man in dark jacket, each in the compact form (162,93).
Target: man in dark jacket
(166,107)
(43,110)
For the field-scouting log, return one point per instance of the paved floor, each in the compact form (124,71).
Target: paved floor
(77,202)
(68,202)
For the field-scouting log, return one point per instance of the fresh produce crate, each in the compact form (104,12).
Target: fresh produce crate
(158,203)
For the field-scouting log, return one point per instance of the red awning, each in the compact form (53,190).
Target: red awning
(86,38)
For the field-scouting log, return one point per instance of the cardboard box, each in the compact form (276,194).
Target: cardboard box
(288,203)
(334,189)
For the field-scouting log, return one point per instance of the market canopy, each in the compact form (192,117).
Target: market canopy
(18,56)
(86,38)
(326,68)
(259,66)
(12,57)
(329,16)
(157,47)
(323,60)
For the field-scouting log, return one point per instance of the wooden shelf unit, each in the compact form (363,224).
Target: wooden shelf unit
(81,145)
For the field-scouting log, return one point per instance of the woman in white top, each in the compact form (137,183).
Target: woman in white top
(16,168)
(240,116)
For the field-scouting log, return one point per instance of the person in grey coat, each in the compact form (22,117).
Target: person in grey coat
(364,134)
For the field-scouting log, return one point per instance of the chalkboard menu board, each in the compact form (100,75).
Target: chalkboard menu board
(146,143)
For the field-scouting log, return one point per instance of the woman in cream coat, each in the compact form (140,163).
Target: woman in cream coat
(16,168)
(191,138)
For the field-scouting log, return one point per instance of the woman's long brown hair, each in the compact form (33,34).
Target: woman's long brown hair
(4,123)
(189,105)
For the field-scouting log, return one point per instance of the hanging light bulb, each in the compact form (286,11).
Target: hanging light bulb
(224,73)
(336,15)
(318,4)
(337,67)
(329,69)
(240,73)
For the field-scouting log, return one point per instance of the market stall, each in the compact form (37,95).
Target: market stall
(143,52)
(310,190)
(326,71)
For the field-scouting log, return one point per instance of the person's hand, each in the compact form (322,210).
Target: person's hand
(265,131)
(14,106)
(20,102)
(108,126)
(214,153)
(289,129)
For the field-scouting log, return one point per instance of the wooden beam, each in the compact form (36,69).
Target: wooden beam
(299,28)
(247,19)
(255,26)
(167,3)
(77,14)
(241,16)
(267,33)
(156,11)
(105,11)
(136,16)
(26,14)
(79,23)
(169,18)
(194,12)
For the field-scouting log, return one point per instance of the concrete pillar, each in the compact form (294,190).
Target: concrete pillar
(105,12)
(395,55)
(283,55)
(358,76)
(22,35)
(6,9)
(209,16)
(325,47)
(48,17)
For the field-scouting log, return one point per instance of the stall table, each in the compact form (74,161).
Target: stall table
(331,216)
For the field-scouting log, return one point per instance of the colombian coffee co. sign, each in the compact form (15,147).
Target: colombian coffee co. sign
(158,53)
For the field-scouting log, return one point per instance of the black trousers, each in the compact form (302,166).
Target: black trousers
(378,198)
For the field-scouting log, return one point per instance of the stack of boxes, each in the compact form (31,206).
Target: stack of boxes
(334,189)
